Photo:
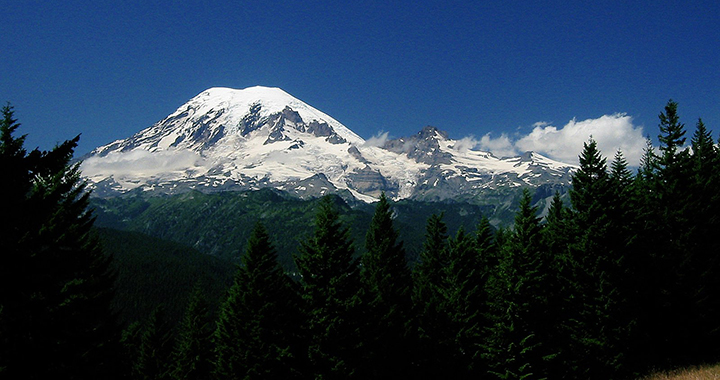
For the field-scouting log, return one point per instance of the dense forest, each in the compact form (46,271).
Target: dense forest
(620,281)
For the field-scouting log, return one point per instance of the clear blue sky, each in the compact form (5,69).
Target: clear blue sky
(107,69)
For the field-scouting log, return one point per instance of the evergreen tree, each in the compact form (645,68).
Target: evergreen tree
(557,236)
(331,291)
(389,284)
(704,270)
(434,351)
(257,334)
(663,246)
(192,355)
(59,312)
(515,347)
(465,304)
(597,258)
(156,344)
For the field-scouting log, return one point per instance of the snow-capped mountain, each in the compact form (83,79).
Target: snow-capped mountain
(226,139)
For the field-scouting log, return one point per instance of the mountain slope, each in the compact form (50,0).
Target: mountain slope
(226,139)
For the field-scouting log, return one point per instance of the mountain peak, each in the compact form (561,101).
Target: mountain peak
(228,139)
(432,132)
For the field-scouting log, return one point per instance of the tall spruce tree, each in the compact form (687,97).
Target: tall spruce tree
(465,304)
(516,347)
(434,349)
(663,204)
(388,281)
(154,358)
(192,357)
(257,335)
(597,259)
(331,291)
(557,237)
(55,282)
(705,268)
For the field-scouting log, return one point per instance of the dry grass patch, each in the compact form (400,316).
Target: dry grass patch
(693,373)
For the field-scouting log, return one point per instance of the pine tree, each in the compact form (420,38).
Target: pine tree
(434,329)
(59,310)
(331,291)
(257,335)
(156,344)
(192,357)
(389,285)
(704,206)
(597,259)
(557,236)
(663,246)
(518,302)
(466,299)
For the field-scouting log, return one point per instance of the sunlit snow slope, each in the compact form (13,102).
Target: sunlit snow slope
(226,139)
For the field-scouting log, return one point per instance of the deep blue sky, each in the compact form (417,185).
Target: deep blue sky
(107,69)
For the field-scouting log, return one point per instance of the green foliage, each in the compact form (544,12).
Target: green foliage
(192,357)
(219,223)
(388,282)
(331,291)
(152,271)
(154,357)
(55,283)
(257,334)
(518,292)
(431,319)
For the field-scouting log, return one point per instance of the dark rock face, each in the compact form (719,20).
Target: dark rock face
(423,147)
(353,150)
(250,122)
(371,182)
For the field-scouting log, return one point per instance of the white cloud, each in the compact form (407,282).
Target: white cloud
(378,140)
(612,133)
(501,146)
(140,162)
(466,143)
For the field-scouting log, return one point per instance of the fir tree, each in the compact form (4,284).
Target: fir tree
(389,284)
(663,244)
(331,291)
(257,334)
(704,270)
(59,312)
(156,344)
(465,303)
(519,301)
(557,236)
(434,329)
(597,258)
(192,355)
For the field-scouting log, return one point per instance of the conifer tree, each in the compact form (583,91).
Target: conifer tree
(429,300)
(156,343)
(663,242)
(557,236)
(257,334)
(55,282)
(193,355)
(331,291)
(597,259)
(388,282)
(518,302)
(702,245)
(465,303)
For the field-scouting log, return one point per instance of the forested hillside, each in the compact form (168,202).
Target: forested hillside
(620,280)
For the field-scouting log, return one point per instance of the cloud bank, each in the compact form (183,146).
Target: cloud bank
(378,140)
(140,162)
(612,133)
